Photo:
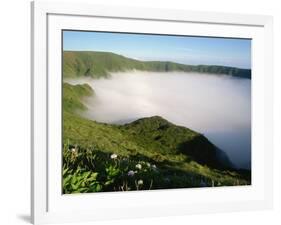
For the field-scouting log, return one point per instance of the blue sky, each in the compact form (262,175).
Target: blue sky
(181,49)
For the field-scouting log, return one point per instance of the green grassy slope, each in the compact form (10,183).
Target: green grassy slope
(99,64)
(180,157)
(72,96)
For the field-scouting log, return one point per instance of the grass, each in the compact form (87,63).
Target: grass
(104,157)
(90,170)
(100,64)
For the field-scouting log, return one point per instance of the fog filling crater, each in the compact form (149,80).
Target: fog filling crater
(217,106)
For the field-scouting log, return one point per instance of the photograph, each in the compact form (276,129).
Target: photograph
(154,111)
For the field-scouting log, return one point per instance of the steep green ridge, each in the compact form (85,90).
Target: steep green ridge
(72,96)
(183,158)
(99,64)
(166,137)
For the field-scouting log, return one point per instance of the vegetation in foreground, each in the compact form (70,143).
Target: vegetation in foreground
(150,153)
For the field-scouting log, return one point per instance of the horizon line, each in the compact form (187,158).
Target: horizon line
(157,60)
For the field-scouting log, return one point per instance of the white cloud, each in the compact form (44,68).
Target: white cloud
(217,106)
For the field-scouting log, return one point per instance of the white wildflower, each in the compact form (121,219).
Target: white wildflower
(140,182)
(73,150)
(131,173)
(148,164)
(113,156)
(138,166)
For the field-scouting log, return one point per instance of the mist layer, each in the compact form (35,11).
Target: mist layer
(217,106)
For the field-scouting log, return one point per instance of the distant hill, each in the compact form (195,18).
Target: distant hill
(100,64)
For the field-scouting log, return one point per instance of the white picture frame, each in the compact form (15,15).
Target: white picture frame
(48,205)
